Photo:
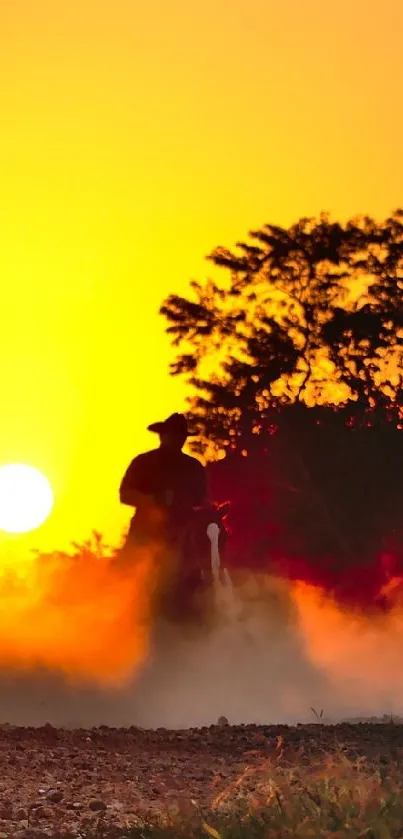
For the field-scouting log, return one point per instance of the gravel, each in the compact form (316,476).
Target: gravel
(57,780)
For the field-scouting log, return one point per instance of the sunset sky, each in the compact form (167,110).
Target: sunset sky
(135,137)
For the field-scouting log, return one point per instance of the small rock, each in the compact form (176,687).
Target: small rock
(42,813)
(87,821)
(21,814)
(56,796)
(33,834)
(222,721)
(24,829)
(96,805)
(200,776)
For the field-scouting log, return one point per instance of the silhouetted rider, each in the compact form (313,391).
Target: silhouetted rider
(163,484)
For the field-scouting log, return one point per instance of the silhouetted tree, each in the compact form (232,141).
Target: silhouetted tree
(296,351)
(365,339)
(308,315)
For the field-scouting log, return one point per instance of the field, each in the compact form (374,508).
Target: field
(272,781)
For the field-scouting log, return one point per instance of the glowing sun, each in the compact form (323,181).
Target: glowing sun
(26,498)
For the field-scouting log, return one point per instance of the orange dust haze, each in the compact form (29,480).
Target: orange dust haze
(90,623)
(82,616)
(359,651)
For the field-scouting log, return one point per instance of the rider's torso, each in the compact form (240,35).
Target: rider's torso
(163,471)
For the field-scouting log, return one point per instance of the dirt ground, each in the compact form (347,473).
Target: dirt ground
(58,780)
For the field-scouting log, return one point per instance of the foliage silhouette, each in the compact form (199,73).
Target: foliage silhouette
(289,328)
(296,361)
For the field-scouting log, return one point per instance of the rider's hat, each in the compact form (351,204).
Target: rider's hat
(176,424)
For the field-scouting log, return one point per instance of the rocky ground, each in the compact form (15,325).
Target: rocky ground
(55,780)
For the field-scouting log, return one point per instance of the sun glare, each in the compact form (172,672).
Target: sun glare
(26,498)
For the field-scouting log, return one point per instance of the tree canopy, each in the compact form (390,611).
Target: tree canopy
(295,359)
(308,316)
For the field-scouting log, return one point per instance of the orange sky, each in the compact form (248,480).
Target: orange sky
(135,137)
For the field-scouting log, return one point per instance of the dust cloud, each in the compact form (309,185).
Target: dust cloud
(80,647)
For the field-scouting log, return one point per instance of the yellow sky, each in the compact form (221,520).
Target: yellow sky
(135,137)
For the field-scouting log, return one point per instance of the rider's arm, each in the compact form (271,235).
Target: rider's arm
(132,486)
